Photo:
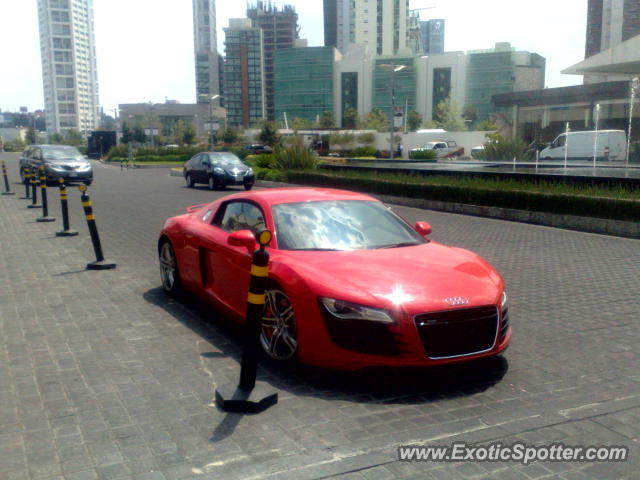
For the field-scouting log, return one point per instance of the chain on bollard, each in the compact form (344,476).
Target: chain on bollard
(45,204)
(27,182)
(100,263)
(249,395)
(34,189)
(7,188)
(64,207)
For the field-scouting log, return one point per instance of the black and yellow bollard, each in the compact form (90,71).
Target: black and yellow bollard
(33,175)
(100,263)
(64,206)
(249,395)
(45,204)
(27,183)
(7,188)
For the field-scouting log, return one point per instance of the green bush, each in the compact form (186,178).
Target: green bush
(627,209)
(423,155)
(152,158)
(295,157)
(366,151)
(502,149)
(184,152)
(263,160)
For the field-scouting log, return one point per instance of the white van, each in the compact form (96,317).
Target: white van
(611,145)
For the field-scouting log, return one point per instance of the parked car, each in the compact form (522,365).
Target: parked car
(60,161)
(443,149)
(218,169)
(607,144)
(258,148)
(351,284)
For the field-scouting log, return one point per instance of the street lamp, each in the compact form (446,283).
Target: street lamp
(211,99)
(393,105)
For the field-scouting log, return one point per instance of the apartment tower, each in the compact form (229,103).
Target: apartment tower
(69,75)
(380,24)
(207,59)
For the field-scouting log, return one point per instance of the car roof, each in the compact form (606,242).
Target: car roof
(274,196)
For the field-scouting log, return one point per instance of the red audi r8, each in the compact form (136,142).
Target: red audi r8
(351,284)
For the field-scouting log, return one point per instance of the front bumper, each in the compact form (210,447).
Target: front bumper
(228,179)
(70,176)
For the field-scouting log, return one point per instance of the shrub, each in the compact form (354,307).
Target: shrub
(423,155)
(295,157)
(366,138)
(366,151)
(499,148)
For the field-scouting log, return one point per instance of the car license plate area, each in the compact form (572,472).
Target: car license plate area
(457,333)
(73,174)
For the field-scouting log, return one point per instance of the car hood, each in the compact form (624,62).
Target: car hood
(234,169)
(414,279)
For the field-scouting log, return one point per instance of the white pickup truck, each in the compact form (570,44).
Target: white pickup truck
(448,149)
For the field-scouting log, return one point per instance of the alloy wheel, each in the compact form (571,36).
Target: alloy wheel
(168,269)
(278,335)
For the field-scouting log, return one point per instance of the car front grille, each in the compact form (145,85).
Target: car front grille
(505,323)
(456,333)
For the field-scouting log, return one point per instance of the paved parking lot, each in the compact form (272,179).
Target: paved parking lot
(103,377)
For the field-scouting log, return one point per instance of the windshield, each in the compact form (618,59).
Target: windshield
(340,225)
(62,153)
(226,159)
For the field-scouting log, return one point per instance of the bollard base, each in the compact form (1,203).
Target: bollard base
(34,205)
(232,398)
(24,198)
(66,233)
(8,193)
(45,219)
(103,265)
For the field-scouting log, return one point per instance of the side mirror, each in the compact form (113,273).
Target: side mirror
(423,228)
(242,238)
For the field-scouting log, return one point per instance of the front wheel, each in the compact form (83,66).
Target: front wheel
(189,180)
(169,268)
(278,332)
(248,186)
(213,183)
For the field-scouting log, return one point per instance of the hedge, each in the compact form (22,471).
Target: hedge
(558,203)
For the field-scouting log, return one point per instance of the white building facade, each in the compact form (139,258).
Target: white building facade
(69,73)
(207,59)
(379,24)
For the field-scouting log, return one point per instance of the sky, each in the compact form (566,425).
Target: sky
(145,47)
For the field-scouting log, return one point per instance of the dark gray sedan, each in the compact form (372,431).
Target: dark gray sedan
(59,161)
(218,169)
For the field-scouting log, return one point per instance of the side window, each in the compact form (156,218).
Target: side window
(36,154)
(241,216)
(561,141)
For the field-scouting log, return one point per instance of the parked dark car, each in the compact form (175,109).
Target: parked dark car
(258,148)
(218,169)
(60,161)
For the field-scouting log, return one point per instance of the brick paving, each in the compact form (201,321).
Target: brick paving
(103,377)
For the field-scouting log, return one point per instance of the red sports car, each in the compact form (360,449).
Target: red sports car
(351,283)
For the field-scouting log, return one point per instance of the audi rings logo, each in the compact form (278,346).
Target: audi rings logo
(455,301)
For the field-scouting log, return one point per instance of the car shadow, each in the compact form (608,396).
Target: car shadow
(406,385)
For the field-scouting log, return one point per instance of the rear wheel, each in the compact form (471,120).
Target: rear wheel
(278,331)
(168,268)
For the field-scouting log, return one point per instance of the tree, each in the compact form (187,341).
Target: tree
(189,134)
(350,118)
(127,134)
(138,134)
(470,113)
(414,119)
(55,138)
(228,135)
(486,125)
(448,116)
(299,123)
(326,120)
(268,134)
(32,136)
(376,119)
(178,132)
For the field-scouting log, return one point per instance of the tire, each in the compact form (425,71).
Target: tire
(169,275)
(24,180)
(88,182)
(278,330)
(213,184)
(189,180)
(248,186)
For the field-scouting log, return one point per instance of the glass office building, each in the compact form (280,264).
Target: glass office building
(400,84)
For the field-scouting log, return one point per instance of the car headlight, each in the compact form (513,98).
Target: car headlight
(249,171)
(504,302)
(53,166)
(218,170)
(85,167)
(352,311)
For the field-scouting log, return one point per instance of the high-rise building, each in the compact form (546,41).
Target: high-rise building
(244,73)
(69,74)
(279,30)
(432,37)
(501,70)
(207,59)
(381,24)
(303,82)
(610,22)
